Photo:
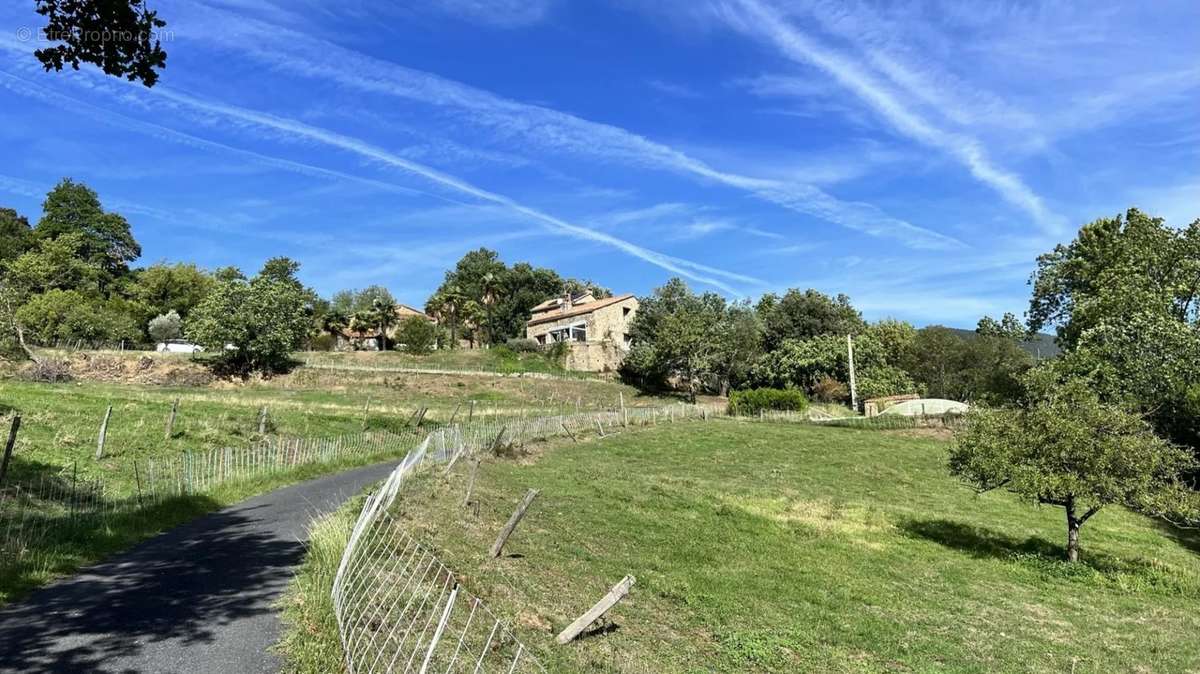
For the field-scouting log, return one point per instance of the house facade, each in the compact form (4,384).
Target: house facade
(597,330)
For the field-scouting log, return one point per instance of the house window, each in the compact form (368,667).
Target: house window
(628,339)
(579,333)
(625,311)
(541,339)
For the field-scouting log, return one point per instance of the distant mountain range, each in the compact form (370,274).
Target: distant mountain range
(1039,346)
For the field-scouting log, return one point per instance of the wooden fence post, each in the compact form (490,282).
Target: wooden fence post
(262,420)
(564,427)
(420,417)
(138,477)
(8,446)
(171,419)
(452,416)
(366,412)
(471,482)
(103,433)
(508,529)
(600,608)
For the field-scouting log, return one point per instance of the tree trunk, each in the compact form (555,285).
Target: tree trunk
(1073,525)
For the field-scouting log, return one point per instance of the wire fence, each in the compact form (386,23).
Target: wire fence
(398,608)
(52,503)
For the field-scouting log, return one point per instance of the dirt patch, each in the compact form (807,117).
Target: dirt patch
(137,370)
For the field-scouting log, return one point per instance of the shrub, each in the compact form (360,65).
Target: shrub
(520,345)
(418,335)
(829,390)
(753,401)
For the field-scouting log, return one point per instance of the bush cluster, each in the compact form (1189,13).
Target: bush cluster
(752,401)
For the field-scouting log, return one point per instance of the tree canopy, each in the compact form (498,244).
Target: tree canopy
(119,36)
(489,302)
(1063,446)
(255,324)
(104,238)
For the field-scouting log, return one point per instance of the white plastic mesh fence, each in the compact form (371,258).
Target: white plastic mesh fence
(398,608)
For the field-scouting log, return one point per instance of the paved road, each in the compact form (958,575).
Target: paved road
(197,599)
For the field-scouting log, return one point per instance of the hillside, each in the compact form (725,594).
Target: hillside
(782,548)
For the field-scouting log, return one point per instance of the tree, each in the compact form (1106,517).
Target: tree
(165,327)
(417,335)
(105,239)
(16,237)
(165,288)
(1116,267)
(253,325)
(935,361)
(696,340)
(802,315)
(385,311)
(1066,448)
(119,36)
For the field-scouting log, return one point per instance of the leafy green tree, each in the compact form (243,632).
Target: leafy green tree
(16,236)
(700,341)
(802,315)
(54,264)
(70,316)
(417,335)
(1066,448)
(935,361)
(230,273)
(118,36)
(253,325)
(165,327)
(1114,268)
(105,239)
(1009,326)
(164,288)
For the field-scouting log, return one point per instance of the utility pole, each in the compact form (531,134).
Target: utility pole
(850,359)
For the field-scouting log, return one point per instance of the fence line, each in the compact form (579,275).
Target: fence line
(398,608)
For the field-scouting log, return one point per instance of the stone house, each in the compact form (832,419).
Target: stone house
(597,330)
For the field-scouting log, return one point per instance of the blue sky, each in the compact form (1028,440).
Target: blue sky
(917,157)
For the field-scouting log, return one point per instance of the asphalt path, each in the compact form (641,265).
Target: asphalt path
(200,598)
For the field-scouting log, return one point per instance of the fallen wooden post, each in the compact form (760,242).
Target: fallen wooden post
(568,431)
(508,529)
(420,417)
(600,428)
(8,446)
(171,419)
(456,407)
(614,595)
(103,433)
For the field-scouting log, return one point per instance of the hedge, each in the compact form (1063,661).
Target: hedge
(751,401)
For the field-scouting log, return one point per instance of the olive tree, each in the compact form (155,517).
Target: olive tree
(1064,447)
(165,327)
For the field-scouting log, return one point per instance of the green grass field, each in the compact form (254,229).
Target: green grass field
(784,547)
(61,422)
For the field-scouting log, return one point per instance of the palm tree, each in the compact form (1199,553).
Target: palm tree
(385,309)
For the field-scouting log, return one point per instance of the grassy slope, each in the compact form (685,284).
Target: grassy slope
(60,424)
(791,548)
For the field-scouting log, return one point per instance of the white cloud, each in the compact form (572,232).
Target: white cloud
(764,22)
(526,124)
